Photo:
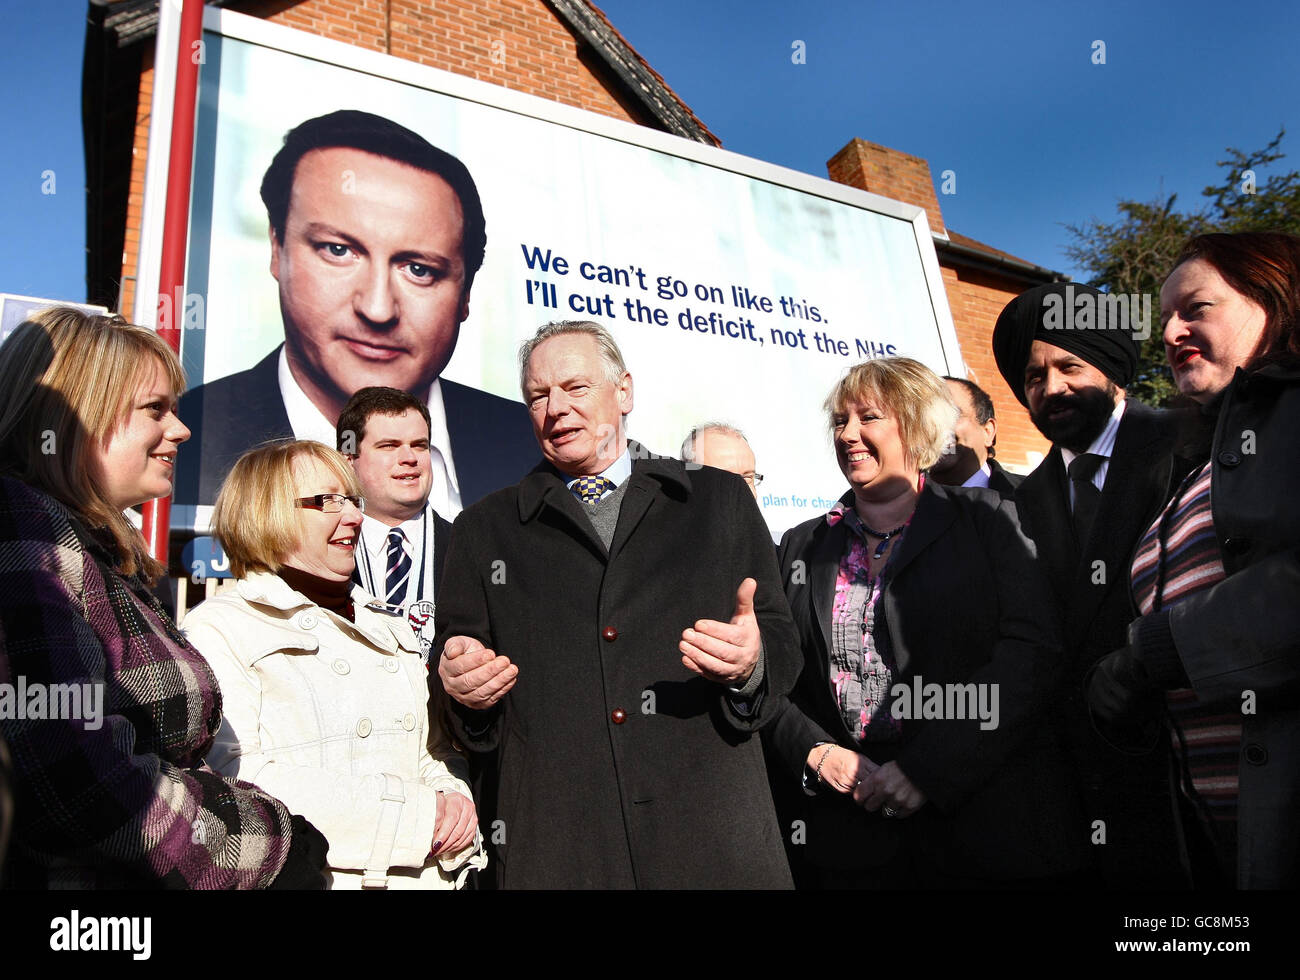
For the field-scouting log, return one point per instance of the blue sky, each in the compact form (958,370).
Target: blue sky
(1005,95)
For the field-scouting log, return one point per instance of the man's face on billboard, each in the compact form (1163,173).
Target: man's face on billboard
(371,275)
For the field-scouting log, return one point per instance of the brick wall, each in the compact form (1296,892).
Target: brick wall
(135,198)
(519,44)
(975,298)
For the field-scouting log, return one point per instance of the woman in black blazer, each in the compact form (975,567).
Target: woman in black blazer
(917,746)
(1214,659)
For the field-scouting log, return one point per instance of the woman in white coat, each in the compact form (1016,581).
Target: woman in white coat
(325,691)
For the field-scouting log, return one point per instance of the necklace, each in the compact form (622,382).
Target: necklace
(884,536)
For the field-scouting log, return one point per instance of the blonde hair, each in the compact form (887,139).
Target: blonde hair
(255,518)
(67,383)
(912,394)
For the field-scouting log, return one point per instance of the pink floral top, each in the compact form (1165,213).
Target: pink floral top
(861,670)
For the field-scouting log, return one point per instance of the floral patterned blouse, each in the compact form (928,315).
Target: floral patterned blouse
(861,670)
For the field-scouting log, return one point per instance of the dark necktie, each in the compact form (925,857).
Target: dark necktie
(399,567)
(589,489)
(1086,495)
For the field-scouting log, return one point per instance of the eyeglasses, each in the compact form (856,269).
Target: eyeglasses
(330,503)
(754,479)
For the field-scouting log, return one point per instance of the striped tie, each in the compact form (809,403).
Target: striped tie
(399,566)
(591,488)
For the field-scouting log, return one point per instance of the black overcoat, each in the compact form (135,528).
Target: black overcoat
(1128,793)
(613,765)
(1239,642)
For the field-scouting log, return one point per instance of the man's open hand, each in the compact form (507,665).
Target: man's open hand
(725,652)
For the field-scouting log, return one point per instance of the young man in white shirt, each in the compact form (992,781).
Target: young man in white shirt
(385,434)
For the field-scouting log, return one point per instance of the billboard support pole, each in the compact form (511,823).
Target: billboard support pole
(171,281)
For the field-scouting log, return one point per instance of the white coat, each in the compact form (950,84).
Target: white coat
(332,718)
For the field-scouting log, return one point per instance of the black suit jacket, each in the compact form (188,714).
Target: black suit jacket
(1002,481)
(1095,598)
(962,605)
(491,437)
(1128,793)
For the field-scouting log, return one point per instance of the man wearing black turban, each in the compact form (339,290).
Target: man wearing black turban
(1067,351)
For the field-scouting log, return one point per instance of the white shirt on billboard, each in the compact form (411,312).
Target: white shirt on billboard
(309,422)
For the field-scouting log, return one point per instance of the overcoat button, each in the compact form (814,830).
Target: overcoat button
(1229,458)
(1256,754)
(610,634)
(618,715)
(408,722)
(307,621)
(390,664)
(341,666)
(363,727)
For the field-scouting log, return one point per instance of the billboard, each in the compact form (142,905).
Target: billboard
(738,291)
(15,308)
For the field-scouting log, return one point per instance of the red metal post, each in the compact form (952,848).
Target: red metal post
(171,282)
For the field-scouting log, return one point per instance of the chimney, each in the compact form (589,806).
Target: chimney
(889,173)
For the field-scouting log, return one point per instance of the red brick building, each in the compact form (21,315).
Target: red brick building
(563,50)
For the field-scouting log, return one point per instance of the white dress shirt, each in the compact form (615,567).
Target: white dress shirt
(617,473)
(372,557)
(309,422)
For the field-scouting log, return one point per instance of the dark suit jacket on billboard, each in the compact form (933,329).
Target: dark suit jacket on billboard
(492,438)
(1129,793)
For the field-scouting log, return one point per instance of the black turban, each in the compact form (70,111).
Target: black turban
(1069,315)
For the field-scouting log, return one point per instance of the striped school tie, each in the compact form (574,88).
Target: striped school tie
(399,567)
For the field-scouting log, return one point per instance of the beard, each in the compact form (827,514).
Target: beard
(1086,415)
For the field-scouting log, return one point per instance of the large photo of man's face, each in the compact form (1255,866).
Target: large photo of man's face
(375,238)
(373,284)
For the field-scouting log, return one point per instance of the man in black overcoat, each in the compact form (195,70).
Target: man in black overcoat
(1067,353)
(614,630)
